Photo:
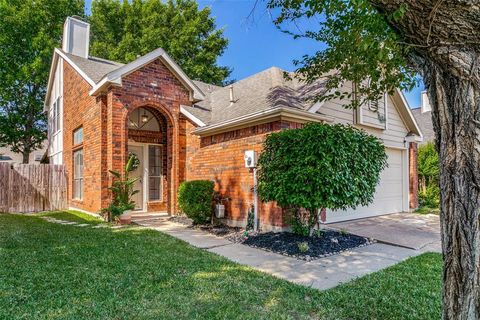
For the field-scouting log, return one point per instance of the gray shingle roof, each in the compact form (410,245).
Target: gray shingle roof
(424,121)
(265,90)
(95,68)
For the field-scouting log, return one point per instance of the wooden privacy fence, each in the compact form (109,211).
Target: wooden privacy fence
(28,188)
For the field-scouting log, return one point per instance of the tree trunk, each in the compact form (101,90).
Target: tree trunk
(456,119)
(25,157)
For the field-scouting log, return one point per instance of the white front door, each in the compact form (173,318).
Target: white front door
(138,173)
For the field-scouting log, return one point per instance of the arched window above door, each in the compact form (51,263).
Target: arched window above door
(142,119)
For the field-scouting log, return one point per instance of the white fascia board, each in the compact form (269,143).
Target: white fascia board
(56,54)
(115,77)
(190,116)
(51,77)
(316,107)
(406,106)
(80,71)
(264,114)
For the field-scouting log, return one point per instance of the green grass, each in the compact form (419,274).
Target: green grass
(50,271)
(72,215)
(427,210)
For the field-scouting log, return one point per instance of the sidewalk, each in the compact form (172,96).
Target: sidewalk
(321,274)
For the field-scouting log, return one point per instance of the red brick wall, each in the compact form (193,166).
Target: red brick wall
(156,87)
(106,132)
(79,109)
(413,174)
(221,158)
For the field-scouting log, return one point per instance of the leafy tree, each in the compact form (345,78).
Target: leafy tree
(123,30)
(320,166)
(30,29)
(388,42)
(428,172)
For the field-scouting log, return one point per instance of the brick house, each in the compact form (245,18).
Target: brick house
(101,111)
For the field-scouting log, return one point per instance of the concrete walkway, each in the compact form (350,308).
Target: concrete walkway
(322,274)
(409,230)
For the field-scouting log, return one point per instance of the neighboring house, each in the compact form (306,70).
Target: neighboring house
(423,116)
(101,111)
(6,155)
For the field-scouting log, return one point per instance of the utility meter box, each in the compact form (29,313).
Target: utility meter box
(250,159)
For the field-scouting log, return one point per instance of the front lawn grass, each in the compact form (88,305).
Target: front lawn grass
(73,216)
(52,271)
(427,210)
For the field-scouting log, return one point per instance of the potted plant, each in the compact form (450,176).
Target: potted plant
(219,205)
(122,191)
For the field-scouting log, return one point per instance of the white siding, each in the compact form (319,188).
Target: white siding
(55,128)
(392,132)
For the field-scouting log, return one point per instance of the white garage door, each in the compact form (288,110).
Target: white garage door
(389,196)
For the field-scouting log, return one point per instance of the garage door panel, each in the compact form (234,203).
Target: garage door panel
(389,194)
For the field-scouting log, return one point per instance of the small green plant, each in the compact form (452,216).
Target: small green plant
(122,192)
(303,246)
(195,199)
(318,233)
(343,232)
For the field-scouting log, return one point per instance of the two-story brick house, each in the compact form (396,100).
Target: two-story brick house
(101,111)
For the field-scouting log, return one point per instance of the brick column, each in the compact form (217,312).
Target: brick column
(413,174)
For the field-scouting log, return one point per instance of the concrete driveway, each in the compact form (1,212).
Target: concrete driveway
(409,230)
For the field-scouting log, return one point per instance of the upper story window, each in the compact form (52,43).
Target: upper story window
(55,116)
(78,136)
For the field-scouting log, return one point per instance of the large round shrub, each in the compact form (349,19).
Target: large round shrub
(320,166)
(195,199)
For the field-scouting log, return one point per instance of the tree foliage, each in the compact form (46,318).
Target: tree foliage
(320,166)
(123,30)
(30,29)
(358,46)
(428,164)
(428,174)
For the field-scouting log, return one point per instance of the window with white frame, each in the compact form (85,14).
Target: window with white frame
(155,172)
(78,174)
(55,123)
(78,136)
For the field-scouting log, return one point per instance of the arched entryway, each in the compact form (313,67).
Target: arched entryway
(149,141)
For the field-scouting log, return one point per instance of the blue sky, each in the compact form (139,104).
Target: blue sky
(255,44)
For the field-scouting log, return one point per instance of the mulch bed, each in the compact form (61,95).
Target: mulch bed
(219,230)
(329,243)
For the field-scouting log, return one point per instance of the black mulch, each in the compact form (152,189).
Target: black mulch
(330,242)
(219,230)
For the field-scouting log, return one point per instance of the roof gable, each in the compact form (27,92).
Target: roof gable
(115,77)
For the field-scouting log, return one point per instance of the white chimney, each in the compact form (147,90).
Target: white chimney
(76,37)
(426,107)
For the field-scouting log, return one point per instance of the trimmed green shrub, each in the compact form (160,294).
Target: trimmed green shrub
(195,199)
(320,166)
